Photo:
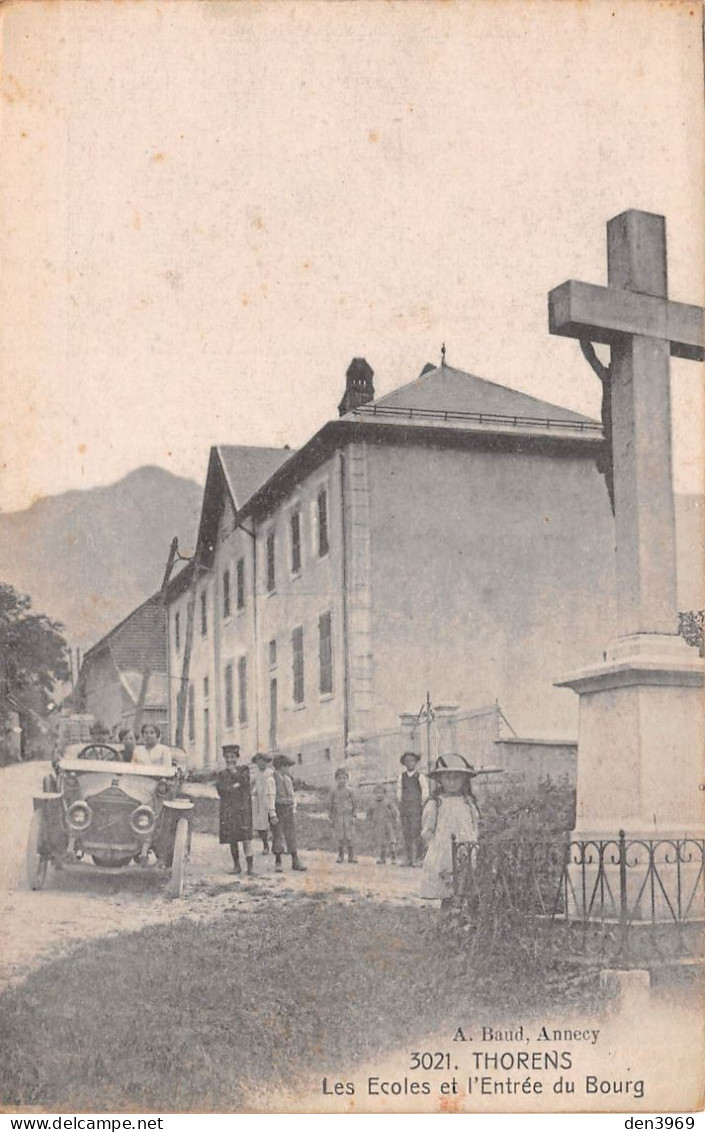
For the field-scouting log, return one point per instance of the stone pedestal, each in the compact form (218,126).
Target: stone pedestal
(640,769)
(641,740)
(630,992)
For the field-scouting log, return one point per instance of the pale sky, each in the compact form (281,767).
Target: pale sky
(208,208)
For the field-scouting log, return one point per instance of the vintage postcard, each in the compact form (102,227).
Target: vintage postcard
(351,549)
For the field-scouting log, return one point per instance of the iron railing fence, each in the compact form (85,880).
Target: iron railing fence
(617,901)
(516,421)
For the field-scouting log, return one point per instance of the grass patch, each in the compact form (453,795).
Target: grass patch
(182,1017)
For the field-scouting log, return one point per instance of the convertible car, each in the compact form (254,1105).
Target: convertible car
(95,807)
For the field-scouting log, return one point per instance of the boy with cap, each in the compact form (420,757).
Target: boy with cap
(385,821)
(412,794)
(233,786)
(341,810)
(264,796)
(285,805)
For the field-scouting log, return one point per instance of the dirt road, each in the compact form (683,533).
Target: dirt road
(40,926)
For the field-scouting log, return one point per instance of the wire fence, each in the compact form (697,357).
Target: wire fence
(472,734)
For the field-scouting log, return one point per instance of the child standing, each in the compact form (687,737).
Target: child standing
(412,793)
(451,811)
(341,811)
(233,786)
(285,805)
(385,819)
(264,795)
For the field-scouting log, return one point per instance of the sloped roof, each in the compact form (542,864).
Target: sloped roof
(444,405)
(247,468)
(238,471)
(444,389)
(141,637)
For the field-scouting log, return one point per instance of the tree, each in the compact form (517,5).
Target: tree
(33,656)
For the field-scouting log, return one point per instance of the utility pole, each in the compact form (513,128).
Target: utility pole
(427,714)
(182,696)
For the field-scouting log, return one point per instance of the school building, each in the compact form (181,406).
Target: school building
(452,536)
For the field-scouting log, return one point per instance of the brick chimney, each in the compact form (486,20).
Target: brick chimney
(359,389)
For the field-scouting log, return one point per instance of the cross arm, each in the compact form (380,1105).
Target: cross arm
(606,314)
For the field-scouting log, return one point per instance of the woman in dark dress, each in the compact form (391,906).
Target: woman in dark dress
(233,786)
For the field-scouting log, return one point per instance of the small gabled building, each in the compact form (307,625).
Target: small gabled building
(110,679)
(452,536)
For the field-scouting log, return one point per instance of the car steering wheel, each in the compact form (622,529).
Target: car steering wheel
(101,752)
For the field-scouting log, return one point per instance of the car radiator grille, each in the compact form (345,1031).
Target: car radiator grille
(110,826)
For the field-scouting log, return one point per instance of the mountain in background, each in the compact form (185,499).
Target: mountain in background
(88,558)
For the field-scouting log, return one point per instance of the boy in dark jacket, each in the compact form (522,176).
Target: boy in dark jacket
(412,794)
(233,786)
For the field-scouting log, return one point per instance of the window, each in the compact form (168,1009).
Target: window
(177,631)
(297,649)
(206,688)
(228,679)
(242,689)
(272,714)
(322,515)
(240,583)
(206,736)
(226,594)
(271,564)
(300,759)
(191,714)
(204,614)
(325,655)
(296,542)
(273,654)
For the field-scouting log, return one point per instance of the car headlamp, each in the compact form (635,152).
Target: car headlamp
(79,816)
(162,787)
(142,820)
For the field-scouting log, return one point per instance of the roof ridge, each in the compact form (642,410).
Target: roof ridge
(414,381)
(438,370)
(257,447)
(512,389)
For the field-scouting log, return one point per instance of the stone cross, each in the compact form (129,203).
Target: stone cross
(634,316)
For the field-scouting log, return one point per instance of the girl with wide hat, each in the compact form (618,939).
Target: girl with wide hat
(451,811)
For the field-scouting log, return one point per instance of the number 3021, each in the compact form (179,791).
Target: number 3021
(430,1061)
